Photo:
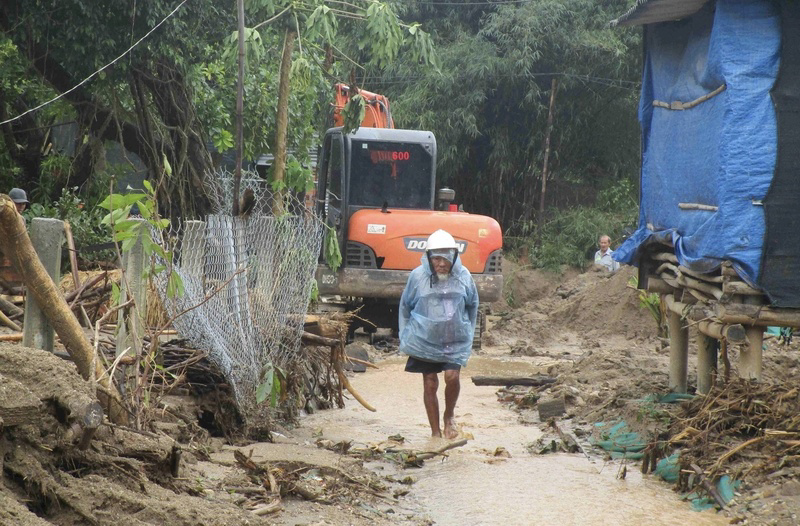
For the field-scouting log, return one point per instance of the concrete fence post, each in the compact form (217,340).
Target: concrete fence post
(131,321)
(47,236)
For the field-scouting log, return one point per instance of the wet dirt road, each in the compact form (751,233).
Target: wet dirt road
(472,486)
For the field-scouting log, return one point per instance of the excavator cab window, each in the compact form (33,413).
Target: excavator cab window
(397,174)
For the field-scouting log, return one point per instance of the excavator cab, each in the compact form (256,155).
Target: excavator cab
(374,168)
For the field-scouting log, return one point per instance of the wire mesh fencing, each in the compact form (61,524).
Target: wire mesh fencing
(247,283)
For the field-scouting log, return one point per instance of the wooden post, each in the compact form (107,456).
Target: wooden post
(678,353)
(750,355)
(706,362)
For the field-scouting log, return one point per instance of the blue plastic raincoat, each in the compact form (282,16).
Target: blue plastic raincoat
(437,321)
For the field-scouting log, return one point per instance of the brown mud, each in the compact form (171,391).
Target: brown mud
(350,466)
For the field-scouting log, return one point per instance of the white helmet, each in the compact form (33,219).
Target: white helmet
(441,240)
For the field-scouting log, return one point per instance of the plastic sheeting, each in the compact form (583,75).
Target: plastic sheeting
(437,318)
(720,152)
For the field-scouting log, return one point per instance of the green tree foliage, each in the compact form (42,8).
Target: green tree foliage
(488,103)
(173,94)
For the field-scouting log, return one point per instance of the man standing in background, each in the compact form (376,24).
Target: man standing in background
(20,199)
(603,256)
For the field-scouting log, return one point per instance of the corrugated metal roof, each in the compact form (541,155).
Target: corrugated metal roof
(652,11)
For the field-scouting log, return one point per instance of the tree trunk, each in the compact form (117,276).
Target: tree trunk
(540,218)
(282,117)
(19,249)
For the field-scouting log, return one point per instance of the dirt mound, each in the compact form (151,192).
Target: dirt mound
(128,476)
(595,305)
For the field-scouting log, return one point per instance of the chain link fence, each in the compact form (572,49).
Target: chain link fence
(247,282)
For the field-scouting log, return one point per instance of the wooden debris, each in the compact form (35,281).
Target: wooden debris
(709,486)
(570,444)
(9,308)
(430,454)
(49,298)
(506,381)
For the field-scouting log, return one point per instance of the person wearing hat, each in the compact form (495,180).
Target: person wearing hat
(20,199)
(438,312)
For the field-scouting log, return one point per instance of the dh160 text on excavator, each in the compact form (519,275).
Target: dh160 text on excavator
(376,188)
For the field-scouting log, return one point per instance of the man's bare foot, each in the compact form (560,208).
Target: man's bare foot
(450,429)
(436,434)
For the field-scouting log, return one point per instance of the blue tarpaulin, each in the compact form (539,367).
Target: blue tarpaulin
(720,152)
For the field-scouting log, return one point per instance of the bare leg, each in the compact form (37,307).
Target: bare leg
(452,388)
(430,384)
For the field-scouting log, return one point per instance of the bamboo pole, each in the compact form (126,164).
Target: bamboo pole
(761,315)
(740,287)
(659,286)
(20,250)
(735,333)
(700,275)
(4,320)
(686,310)
(678,353)
(706,362)
(665,256)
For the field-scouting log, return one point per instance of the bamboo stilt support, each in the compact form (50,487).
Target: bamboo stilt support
(678,353)
(750,356)
(706,362)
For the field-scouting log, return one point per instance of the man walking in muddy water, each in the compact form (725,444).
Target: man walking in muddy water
(438,311)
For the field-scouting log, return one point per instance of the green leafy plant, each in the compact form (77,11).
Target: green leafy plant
(332,254)
(272,385)
(128,231)
(651,302)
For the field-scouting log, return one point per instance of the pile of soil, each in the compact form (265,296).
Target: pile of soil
(173,472)
(602,347)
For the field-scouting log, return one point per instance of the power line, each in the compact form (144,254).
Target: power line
(489,2)
(609,82)
(84,81)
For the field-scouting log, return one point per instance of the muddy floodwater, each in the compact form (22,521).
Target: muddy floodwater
(475,487)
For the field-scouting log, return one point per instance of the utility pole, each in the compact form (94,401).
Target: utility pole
(237,177)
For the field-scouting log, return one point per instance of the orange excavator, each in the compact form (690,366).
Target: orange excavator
(376,190)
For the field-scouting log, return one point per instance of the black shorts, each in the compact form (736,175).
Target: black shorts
(415,365)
